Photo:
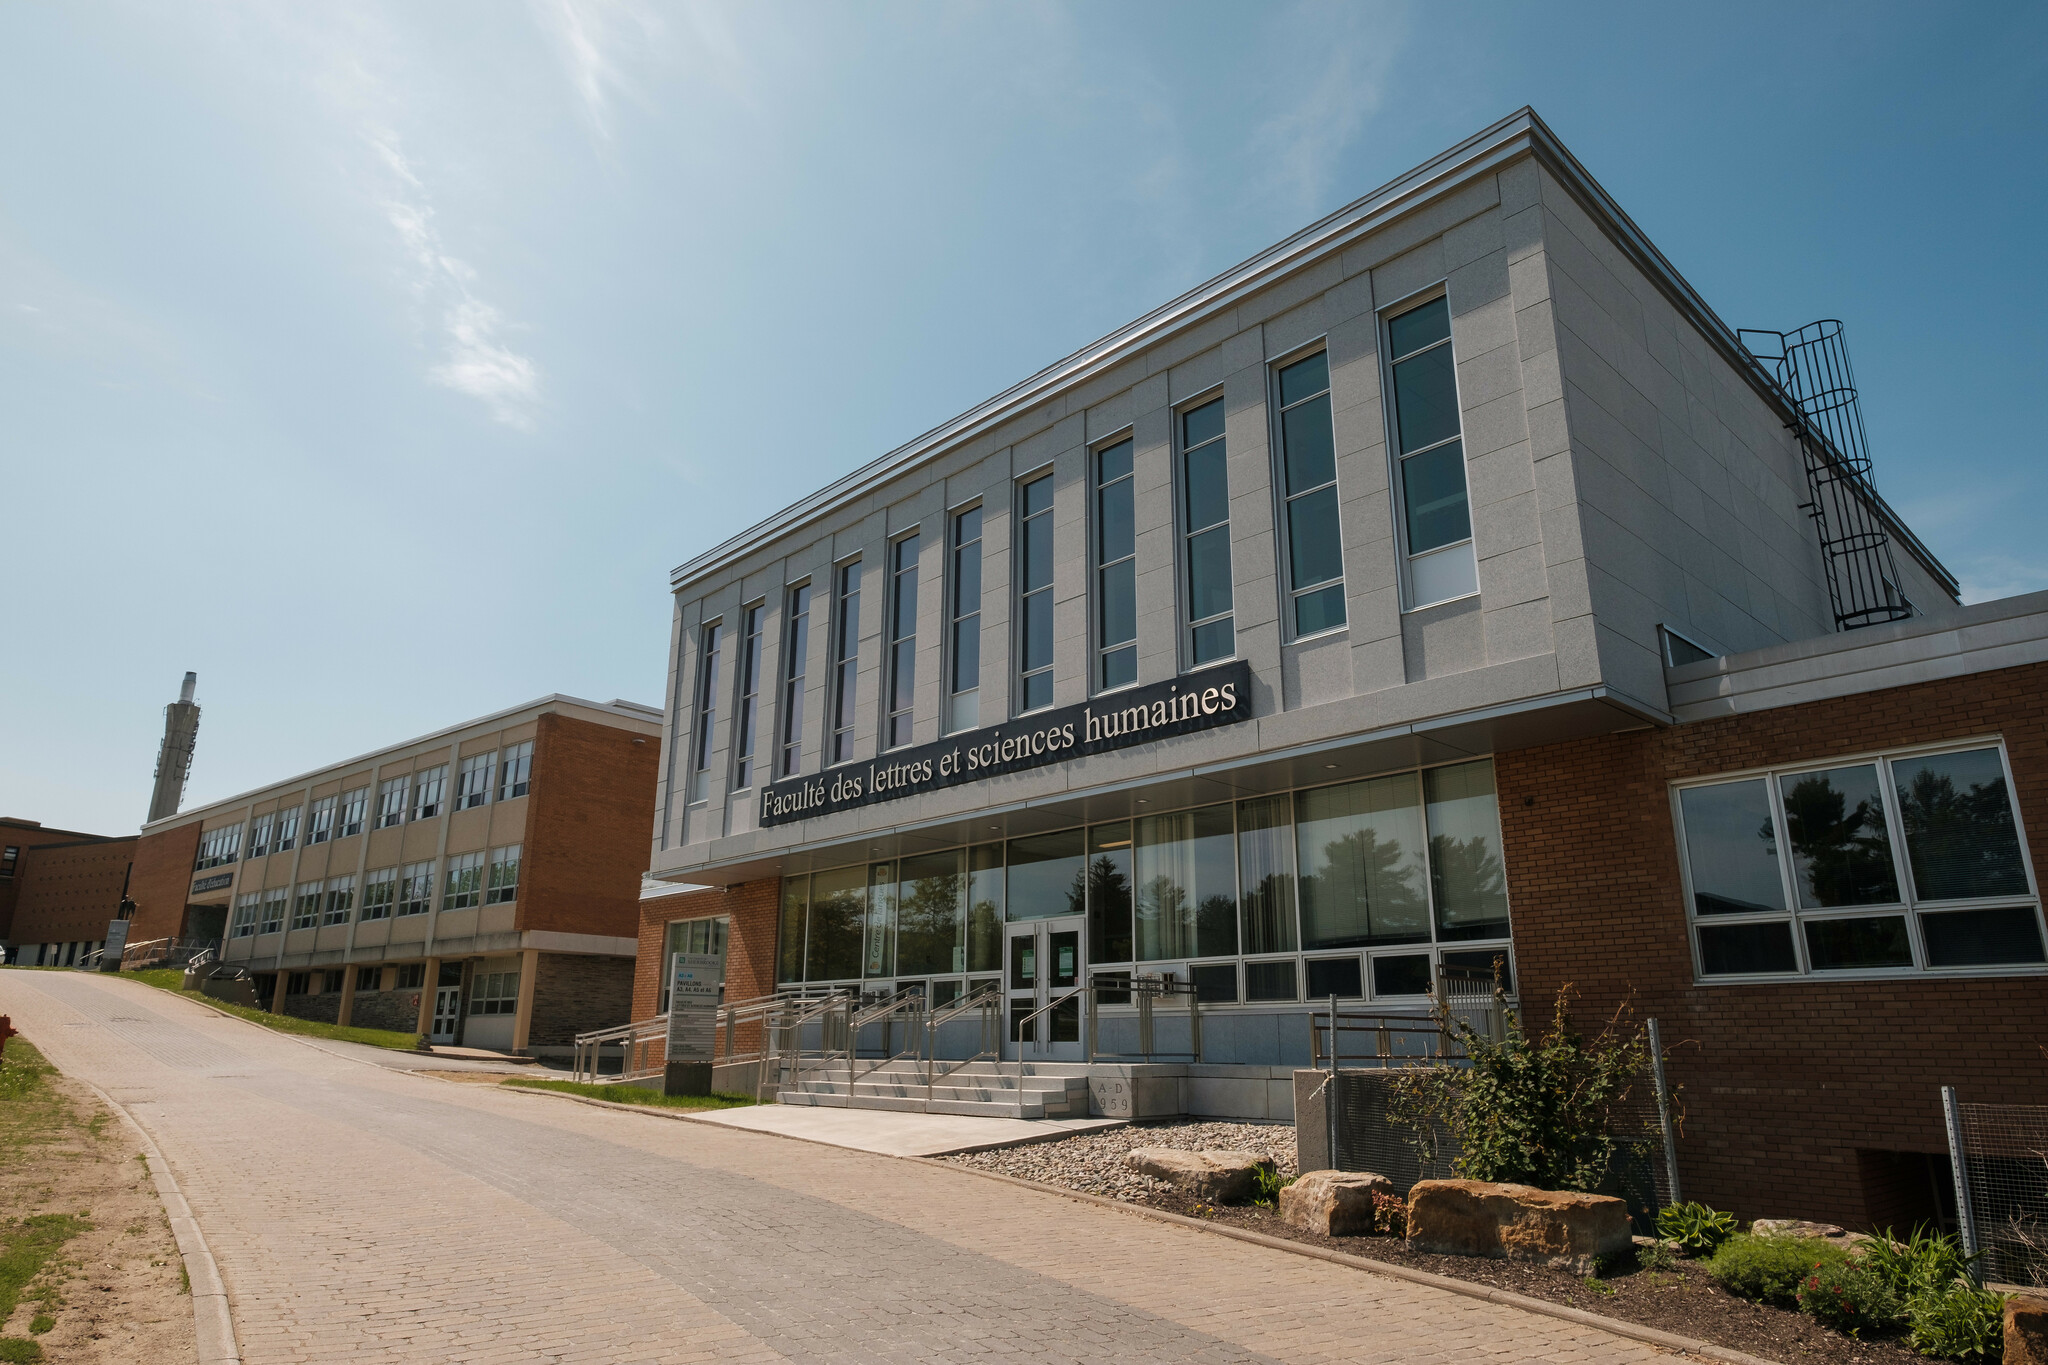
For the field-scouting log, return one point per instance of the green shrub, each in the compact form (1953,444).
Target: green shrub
(1658,1255)
(1390,1215)
(1849,1297)
(1266,1186)
(1771,1269)
(1925,1263)
(1694,1228)
(1961,1322)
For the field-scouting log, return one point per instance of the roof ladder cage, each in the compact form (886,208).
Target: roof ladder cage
(1810,367)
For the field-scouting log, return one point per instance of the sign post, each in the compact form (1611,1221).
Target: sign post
(692,1023)
(116,945)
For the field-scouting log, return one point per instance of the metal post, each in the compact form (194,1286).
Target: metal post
(1145,1023)
(1195,1023)
(1094,1017)
(1330,1088)
(1966,1218)
(1664,1109)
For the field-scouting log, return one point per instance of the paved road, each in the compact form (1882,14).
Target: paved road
(363,1214)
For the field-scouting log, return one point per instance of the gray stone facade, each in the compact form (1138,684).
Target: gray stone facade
(397,1011)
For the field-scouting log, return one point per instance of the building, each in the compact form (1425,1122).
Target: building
(476,884)
(58,891)
(1363,615)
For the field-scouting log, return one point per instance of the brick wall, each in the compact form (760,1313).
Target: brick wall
(25,835)
(574,993)
(586,834)
(162,881)
(1799,1096)
(749,944)
(69,891)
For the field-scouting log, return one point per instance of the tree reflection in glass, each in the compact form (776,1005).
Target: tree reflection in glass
(1960,839)
(1841,850)
(929,938)
(1360,850)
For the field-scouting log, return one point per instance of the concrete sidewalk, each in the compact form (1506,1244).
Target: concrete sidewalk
(895,1133)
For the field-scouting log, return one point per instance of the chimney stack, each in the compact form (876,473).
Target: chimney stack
(174,759)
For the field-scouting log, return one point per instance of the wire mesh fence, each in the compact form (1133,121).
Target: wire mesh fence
(2004,1168)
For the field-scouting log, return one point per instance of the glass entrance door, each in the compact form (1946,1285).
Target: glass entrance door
(1044,965)
(447,1005)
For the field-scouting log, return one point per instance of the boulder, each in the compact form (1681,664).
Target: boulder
(1794,1227)
(1334,1203)
(1559,1228)
(2026,1330)
(1219,1177)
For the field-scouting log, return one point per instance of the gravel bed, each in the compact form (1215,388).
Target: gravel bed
(1094,1162)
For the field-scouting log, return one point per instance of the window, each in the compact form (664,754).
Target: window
(320,821)
(963,643)
(410,977)
(463,889)
(287,830)
(502,885)
(845,660)
(331,980)
(298,983)
(9,856)
(1034,594)
(355,806)
(902,640)
(703,936)
(341,900)
(259,835)
(271,913)
(1908,862)
(219,846)
(1308,459)
(495,993)
(429,787)
(1435,514)
(707,712)
(1116,569)
(515,774)
(391,802)
(380,893)
(1205,511)
(750,696)
(306,905)
(473,781)
(1679,650)
(416,889)
(243,925)
(369,979)
(796,643)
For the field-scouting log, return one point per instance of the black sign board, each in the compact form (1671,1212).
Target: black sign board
(213,883)
(1196,701)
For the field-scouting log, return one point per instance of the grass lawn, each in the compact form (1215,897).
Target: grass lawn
(172,979)
(633,1094)
(32,1116)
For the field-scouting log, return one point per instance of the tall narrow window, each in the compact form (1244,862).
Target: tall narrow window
(902,639)
(515,774)
(1205,492)
(390,803)
(473,782)
(796,643)
(259,839)
(287,830)
(1436,517)
(1308,452)
(320,824)
(845,660)
(707,713)
(1116,569)
(964,690)
(428,788)
(750,695)
(1034,594)
(355,806)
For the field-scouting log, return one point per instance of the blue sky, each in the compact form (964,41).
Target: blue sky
(377,361)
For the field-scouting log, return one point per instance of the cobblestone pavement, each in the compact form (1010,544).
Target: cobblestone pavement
(364,1214)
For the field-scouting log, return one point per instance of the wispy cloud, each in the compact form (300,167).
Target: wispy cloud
(477,361)
(1306,139)
(597,40)
(1993,576)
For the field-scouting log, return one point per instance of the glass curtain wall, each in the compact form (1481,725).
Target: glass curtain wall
(1356,889)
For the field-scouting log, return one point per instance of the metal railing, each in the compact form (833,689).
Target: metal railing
(643,1044)
(159,952)
(986,998)
(906,1005)
(1145,988)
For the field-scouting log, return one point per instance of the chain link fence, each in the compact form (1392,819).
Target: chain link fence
(2000,1155)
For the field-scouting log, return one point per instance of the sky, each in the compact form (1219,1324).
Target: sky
(378,361)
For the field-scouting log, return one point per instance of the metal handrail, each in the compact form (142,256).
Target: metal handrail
(1439,1044)
(1016,1027)
(807,1008)
(986,997)
(1146,986)
(909,999)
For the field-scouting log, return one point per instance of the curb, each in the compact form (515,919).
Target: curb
(1649,1336)
(212,1321)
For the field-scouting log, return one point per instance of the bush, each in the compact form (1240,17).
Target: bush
(1529,1110)
(1771,1269)
(1924,1264)
(1849,1297)
(1694,1228)
(1961,1322)
(1390,1215)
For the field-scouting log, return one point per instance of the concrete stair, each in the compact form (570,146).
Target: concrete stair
(979,1088)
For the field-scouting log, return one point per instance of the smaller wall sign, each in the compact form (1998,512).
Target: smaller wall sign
(217,882)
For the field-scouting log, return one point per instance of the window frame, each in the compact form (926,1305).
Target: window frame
(752,638)
(1184,534)
(1396,457)
(1909,905)
(474,775)
(895,632)
(494,892)
(790,678)
(953,615)
(1019,604)
(515,769)
(842,698)
(1283,565)
(1098,652)
(462,880)
(391,801)
(429,793)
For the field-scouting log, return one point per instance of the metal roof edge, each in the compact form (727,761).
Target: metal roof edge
(551,699)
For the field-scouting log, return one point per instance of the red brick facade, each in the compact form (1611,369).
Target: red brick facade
(68,892)
(749,942)
(162,882)
(587,832)
(1802,1099)
(23,835)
